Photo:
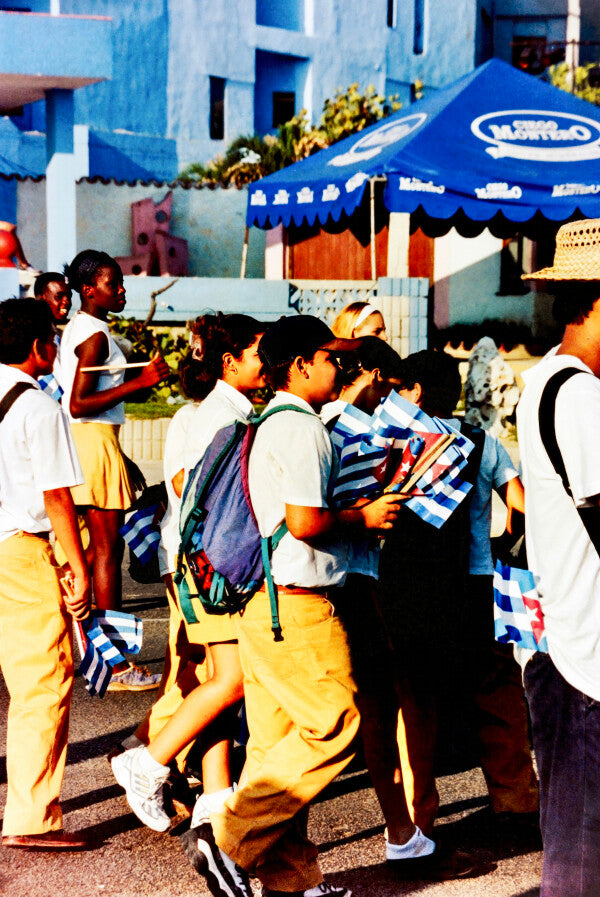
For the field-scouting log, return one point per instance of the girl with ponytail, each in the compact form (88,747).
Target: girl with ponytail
(226,371)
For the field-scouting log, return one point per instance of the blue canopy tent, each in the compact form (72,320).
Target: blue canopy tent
(498,149)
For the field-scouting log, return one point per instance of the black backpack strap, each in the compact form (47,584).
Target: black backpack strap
(590,517)
(12,395)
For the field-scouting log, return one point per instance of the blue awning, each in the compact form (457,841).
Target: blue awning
(496,141)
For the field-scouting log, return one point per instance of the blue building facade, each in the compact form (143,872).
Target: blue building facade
(188,76)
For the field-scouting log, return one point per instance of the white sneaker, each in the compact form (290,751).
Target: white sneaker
(143,778)
(134,678)
(323,890)
(327,890)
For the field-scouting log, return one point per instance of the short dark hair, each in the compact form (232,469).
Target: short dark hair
(439,378)
(42,281)
(22,321)
(574,300)
(278,376)
(373,353)
(84,268)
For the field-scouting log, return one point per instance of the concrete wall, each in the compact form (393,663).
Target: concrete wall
(466,280)
(212,221)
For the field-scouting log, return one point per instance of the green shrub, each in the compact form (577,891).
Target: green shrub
(147,340)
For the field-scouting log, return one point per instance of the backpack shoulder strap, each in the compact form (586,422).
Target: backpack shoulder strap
(287,407)
(590,517)
(11,397)
(546,420)
(270,543)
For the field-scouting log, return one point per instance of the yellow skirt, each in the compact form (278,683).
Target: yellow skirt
(107,482)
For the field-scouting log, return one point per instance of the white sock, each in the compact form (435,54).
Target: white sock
(132,741)
(209,803)
(147,762)
(214,802)
(417,846)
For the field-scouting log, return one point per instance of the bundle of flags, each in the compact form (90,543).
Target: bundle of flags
(141,532)
(367,444)
(105,636)
(50,385)
(518,614)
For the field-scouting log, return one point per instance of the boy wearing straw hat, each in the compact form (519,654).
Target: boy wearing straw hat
(559,436)
(38,465)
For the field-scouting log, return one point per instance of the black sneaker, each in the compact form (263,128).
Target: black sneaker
(444,864)
(223,877)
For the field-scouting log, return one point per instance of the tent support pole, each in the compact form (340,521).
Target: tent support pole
(245,252)
(372,210)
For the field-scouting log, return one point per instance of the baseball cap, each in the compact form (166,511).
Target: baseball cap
(299,335)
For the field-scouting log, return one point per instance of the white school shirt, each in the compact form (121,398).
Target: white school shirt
(173,462)
(189,435)
(36,454)
(80,328)
(559,551)
(291,463)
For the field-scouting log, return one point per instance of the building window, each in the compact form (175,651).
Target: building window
(511,268)
(288,14)
(217,108)
(419,28)
(391,13)
(284,106)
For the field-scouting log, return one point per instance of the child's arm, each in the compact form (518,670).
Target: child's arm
(85,398)
(513,496)
(310,524)
(63,517)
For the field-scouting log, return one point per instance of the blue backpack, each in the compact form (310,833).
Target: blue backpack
(223,559)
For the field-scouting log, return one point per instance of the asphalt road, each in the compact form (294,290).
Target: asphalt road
(132,861)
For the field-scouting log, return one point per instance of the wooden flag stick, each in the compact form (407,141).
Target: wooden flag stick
(428,460)
(424,463)
(114,367)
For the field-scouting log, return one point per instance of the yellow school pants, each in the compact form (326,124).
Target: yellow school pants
(184,669)
(302,717)
(505,750)
(36,658)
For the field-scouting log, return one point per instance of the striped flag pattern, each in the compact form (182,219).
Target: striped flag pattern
(364,444)
(518,613)
(50,385)
(141,533)
(109,634)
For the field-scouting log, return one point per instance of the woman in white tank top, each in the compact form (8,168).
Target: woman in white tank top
(94,404)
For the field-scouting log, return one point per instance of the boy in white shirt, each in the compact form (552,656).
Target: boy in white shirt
(38,465)
(300,691)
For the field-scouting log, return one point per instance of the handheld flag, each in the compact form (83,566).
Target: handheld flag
(108,634)
(142,533)
(50,385)
(366,446)
(518,613)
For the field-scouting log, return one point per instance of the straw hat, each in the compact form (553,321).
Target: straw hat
(577,254)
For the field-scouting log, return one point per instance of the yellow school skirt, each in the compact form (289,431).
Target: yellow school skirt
(107,482)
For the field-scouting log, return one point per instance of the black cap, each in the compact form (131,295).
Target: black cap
(299,335)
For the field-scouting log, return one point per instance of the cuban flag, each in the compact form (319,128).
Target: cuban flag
(518,613)
(50,385)
(366,444)
(108,634)
(142,533)
(362,465)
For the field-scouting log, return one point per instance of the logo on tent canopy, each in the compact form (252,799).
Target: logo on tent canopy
(371,144)
(539,135)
